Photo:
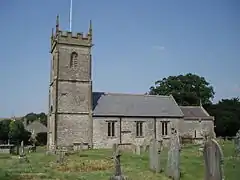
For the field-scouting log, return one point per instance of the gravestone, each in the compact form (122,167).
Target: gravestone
(173,163)
(22,155)
(145,145)
(138,149)
(60,156)
(213,157)
(118,172)
(22,148)
(78,146)
(237,142)
(154,160)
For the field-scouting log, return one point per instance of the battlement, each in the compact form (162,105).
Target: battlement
(71,35)
(71,38)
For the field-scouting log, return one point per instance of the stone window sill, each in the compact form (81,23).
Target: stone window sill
(111,137)
(139,136)
(166,137)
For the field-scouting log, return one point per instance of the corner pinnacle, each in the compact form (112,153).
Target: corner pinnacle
(57,23)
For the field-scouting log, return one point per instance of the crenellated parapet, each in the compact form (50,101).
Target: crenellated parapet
(66,37)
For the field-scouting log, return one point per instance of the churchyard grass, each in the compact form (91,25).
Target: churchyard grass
(97,164)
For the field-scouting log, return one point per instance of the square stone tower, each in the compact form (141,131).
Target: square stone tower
(70,89)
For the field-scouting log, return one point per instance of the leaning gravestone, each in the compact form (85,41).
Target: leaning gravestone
(213,157)
(118,172)
(173,163)
(154,160)
(237,142)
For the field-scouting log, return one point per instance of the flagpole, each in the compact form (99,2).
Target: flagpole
(70,17)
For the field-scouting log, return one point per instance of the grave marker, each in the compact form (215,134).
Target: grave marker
(60,156)
(237,142)
(173,163)
(213,157)
(22,155)
(118,172)
(138,150)
(154,160)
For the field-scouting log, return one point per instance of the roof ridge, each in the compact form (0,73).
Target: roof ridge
(131,94)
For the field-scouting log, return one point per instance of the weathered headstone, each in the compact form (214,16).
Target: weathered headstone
(173,163)
(22,155)
(154,160)
(118,172)
(237,142)
(22,148)
(213,157)
(60,156)
(145,145)
(138,150)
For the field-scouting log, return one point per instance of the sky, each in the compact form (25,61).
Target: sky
(137,42)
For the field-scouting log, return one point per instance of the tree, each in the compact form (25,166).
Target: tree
(4,129)
(42,117)
(227,116)
(16,131)
(188,89)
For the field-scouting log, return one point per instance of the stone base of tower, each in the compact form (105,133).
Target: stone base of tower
(73,129)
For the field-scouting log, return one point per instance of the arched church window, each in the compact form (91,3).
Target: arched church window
(73,60)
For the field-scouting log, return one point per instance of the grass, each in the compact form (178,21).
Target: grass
(97,164)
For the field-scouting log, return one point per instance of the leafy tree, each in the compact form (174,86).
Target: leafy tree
(42,117)
(16,131)
(188,89)
(4,129)
(227,116)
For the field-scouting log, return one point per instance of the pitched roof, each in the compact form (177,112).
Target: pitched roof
(195,112)
(134,105)
(37,127)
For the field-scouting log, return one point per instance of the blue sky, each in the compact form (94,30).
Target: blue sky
(136,43)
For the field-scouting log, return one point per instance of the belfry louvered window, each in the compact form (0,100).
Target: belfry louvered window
(73,60)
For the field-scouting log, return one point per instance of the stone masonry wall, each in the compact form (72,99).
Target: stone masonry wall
(83,70)
(128,130)
(74,97)
(73,128)
(100,130)
(173,123)
(190,126)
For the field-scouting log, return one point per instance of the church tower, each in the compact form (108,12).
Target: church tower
(70,90)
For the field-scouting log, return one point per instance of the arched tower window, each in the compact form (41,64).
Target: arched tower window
(73,60)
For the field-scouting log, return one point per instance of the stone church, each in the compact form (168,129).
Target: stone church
(99,119)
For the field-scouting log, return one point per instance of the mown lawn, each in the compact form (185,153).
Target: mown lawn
(97,164)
